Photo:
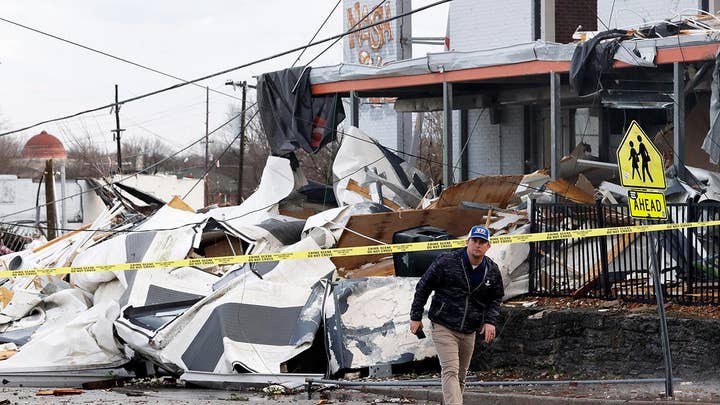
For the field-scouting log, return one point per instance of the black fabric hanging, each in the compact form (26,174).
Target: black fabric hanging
(291,117)
(591,58)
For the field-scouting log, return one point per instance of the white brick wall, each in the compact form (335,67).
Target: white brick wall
(487,24)
(379,121)
(495,148)
(633,12)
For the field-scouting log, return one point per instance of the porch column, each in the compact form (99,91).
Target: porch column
(604,128)
(447,135)
(679,116)
(354,109)
(464,136)
(555,126)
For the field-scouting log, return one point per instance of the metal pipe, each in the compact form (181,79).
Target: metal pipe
(598,164)
(63,205)
(438,383)
(679,117)
(664,338)
(354,109)
(555,127)
(447,135)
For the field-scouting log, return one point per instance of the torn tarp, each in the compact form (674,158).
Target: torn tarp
(291,116)
(591,58)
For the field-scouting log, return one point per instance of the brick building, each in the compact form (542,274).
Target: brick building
(497,68)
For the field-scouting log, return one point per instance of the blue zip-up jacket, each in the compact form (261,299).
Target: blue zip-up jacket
(456,305)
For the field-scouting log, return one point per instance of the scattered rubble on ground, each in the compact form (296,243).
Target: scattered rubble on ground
(260,317)
(616,305)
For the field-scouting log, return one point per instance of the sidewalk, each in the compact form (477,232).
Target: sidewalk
(685,393)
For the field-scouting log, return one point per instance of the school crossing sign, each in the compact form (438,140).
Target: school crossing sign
(641,170)
(641,164)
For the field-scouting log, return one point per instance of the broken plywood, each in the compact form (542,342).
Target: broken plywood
(382,226)
(365,193)
(596,271)
(570,191)
(383,268)
(179,204)
(486,189)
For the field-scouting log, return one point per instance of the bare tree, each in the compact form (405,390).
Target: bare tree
(430,159)
(10,148)
(86,158)
(142,152)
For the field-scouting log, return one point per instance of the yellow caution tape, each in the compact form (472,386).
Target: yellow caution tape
(356,251)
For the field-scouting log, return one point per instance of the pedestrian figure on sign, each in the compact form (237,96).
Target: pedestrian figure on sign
(645,156)
(468,291)
(635,158)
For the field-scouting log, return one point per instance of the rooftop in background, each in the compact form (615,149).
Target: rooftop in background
(44,146)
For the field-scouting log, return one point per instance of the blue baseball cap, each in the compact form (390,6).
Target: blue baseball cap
(479,231)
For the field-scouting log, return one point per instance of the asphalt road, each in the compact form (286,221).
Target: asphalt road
(178,396)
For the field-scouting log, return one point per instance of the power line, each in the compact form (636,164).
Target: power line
(214,162)
(317,32)
(109,55)
(351,28)
(267,58)
(132,175)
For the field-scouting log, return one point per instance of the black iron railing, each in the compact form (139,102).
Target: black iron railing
(617,266)
(11,238)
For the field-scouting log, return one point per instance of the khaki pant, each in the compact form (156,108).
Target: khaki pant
(454,350)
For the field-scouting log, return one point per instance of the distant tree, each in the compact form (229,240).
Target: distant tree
(430,157)
(10,148)
(86,158)
(143,152)
(315,167)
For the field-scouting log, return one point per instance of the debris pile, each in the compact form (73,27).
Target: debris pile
(251,317)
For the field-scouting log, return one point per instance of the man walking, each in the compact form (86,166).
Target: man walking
(468,290)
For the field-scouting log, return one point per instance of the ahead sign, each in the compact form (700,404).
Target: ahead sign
(641,165)
(647,204)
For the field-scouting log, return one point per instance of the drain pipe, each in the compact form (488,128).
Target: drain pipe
(437,383)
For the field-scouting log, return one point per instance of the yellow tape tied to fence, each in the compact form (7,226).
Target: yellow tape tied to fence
(357,251)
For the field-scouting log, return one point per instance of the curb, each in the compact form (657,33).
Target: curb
(473,398)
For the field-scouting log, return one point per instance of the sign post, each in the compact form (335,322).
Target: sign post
(642,172)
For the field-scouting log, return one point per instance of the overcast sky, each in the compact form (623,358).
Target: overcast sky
(42,78)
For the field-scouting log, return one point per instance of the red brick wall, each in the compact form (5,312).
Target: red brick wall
(571,13)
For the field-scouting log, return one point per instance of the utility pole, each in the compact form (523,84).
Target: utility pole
(117,130)
(243,107)
(242,142)
(50,199)
(207,143)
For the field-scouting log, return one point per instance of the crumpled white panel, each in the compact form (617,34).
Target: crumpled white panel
(276,183)
(86,340)
(357,152)
(289,284)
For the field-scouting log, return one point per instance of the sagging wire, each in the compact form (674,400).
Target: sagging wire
(133,175)
(110,55)
(316,33)
(212,75)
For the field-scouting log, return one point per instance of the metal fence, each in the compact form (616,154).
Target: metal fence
(617,266)
(13,239)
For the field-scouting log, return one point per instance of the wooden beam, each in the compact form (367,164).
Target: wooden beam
(596,273)
(382,226)
(363,191)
